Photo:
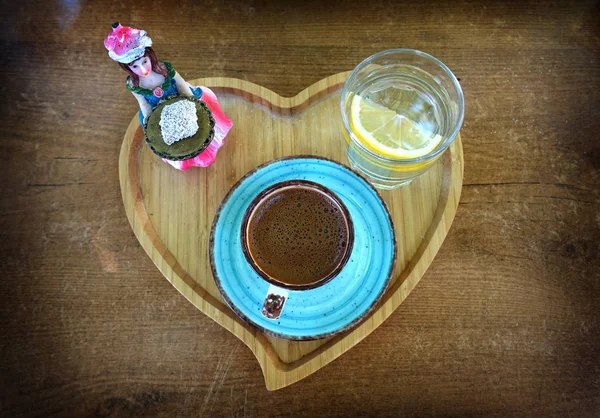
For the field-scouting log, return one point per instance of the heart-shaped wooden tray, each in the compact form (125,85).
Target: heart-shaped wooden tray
(171,211)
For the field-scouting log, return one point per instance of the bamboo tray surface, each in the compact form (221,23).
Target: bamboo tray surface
(171,211)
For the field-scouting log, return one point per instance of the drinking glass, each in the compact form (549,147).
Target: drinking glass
(429,109)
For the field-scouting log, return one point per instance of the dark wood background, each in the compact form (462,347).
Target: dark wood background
(505,322)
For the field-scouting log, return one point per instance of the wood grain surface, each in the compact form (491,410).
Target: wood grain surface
(504,323)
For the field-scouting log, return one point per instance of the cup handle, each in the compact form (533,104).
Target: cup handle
(274,302)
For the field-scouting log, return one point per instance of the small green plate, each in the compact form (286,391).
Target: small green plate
(185,148)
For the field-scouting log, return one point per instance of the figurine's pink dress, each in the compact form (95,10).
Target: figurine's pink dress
(222,123)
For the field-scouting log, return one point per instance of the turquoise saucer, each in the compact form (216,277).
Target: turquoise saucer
(339,304)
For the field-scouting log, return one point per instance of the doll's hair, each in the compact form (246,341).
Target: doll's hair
(157,67)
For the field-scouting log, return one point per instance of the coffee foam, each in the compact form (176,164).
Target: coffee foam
(298,235)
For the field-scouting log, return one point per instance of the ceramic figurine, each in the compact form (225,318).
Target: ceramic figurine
(151,80)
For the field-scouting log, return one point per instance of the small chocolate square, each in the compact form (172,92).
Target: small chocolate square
(273,306)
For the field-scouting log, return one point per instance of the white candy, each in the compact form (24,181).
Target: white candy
(178,121)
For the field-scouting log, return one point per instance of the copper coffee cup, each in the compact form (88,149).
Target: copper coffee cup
(297,235)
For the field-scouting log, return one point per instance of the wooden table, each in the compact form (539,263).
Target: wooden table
(505,322)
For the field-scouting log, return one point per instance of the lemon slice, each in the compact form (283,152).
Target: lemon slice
(385,132)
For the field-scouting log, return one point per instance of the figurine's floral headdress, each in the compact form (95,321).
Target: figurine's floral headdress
(126,44)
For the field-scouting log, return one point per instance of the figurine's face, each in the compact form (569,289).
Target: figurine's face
(141,67)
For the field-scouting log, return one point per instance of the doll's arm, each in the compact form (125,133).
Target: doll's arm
(182,86)
(144,105)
